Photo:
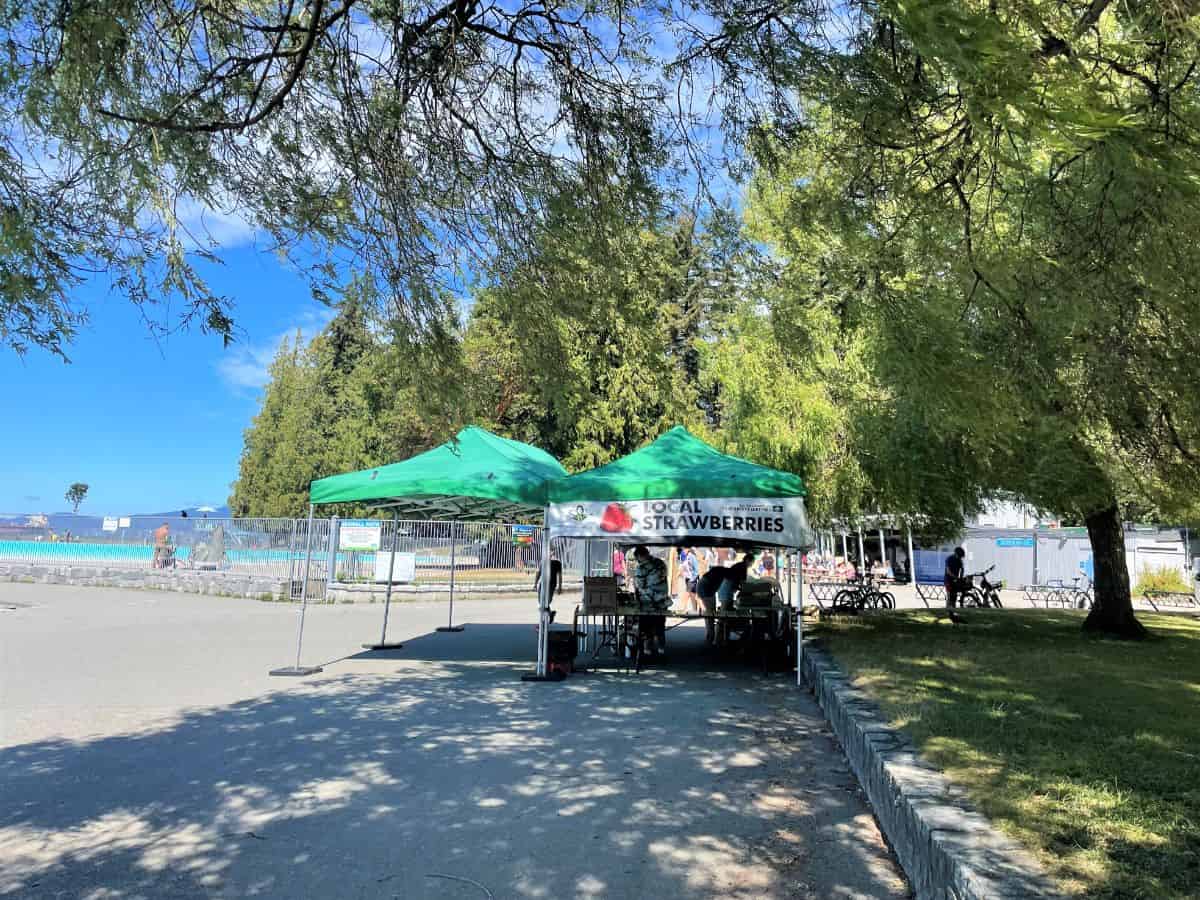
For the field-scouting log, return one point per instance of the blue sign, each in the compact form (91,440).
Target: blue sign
(523,534)
(930,566)
(1014,542)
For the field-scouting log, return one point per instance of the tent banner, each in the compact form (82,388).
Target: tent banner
(773,521)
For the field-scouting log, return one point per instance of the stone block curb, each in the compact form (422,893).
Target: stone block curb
(948,850)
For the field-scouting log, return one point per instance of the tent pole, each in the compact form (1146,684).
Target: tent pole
(541,673)
(862,553)
(450,626)
(298,669)
(882,546)
(387,597)
(800,630)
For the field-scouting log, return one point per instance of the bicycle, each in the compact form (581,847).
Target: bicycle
(987,594)
(863,595)
(1072,597)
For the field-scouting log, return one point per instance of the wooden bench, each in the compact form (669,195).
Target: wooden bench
(1170,598)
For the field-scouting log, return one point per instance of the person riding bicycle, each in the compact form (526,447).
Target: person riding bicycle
(954,581)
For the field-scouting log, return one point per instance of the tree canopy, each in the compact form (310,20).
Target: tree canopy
(992,200)
(415,142)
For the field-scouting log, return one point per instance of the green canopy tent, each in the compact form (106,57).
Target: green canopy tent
(475,475)
(674,490)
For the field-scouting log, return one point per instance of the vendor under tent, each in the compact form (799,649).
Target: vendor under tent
(677,489)
(476,475)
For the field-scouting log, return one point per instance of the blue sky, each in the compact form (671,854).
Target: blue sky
(150,425)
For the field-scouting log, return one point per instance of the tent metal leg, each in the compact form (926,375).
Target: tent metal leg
(387,597)
(450,626)
(800,630)
(297,669)
(541,673)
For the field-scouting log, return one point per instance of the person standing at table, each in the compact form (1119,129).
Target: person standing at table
(734,579)
(654,597)
(710,582)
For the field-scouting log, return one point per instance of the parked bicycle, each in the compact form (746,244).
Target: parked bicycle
(981,597)
(1069,596)
(861,596)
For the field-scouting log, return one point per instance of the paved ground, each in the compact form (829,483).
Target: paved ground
(144,752)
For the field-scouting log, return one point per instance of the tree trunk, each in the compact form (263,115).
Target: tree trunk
(1113,610)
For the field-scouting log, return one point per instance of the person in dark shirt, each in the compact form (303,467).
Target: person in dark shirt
(734,578)
(954,579)
(706,589)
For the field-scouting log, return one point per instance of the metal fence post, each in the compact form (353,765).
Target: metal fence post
(331,565)
(297,669)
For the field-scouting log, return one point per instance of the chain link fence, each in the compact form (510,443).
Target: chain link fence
(491,553)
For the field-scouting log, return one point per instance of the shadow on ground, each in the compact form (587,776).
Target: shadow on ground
(433,771)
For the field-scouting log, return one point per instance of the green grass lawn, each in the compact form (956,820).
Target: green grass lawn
(1085,749)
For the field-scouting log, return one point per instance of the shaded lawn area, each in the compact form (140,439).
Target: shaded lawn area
(1085,749)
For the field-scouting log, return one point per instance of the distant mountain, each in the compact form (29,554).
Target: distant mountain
(84,524)
(199,512)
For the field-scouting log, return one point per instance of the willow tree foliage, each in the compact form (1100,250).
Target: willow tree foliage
(414,141)
(1000,199)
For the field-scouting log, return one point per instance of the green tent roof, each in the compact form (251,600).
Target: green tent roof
(676,465)
(477,474)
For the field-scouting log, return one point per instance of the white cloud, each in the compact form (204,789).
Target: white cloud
(226,228)
(246,366)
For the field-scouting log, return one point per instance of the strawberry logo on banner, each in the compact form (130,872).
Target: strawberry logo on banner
(616,519)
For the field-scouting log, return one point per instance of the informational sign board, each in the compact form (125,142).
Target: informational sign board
(109,524)
(771,522)
(123,522)
(523,534)
(359,534)
(1014,542)
(403,572)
